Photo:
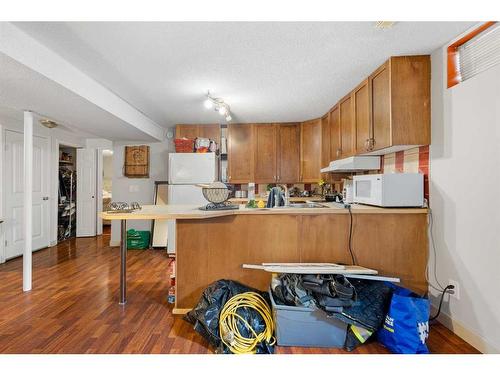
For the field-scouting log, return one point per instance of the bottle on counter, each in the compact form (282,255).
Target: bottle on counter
(251,191)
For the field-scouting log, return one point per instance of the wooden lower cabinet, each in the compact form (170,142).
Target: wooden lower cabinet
(240,149)
(212,249)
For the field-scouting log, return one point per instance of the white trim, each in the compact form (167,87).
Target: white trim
(99,164)
(114,243)
(28,199)
(468,335)
(34,55)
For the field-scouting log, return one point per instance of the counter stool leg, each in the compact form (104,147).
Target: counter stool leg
(123,263)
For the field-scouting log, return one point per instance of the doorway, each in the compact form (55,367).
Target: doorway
(66,211)
(14,191)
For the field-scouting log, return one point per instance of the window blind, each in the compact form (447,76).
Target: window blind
(480,53)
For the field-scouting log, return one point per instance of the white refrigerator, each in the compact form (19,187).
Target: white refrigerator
(185,170)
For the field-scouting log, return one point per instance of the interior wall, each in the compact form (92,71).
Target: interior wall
(465,176)
(140,190)
(56,137)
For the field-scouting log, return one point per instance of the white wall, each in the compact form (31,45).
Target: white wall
(138,189)
(56,137)
(465,200)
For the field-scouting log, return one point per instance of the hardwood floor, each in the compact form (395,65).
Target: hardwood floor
(73,307)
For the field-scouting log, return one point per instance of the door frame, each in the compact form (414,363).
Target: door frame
(55,188)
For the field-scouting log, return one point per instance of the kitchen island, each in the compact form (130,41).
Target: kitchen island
(213,245)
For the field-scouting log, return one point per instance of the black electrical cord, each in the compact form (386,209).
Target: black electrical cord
(348,206)
(445,290)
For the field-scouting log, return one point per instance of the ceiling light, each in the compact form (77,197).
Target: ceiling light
(384,25)
(208,104)
(222,110)
(49,123)
(218,105)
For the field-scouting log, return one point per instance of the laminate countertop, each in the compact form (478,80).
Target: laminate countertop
(151,212)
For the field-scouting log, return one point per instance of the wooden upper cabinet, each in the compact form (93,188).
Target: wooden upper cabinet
(400,101)
(310,153)
(211,131)
(265,153)
(335,142)
(325,141)
(381,108)
(240,153)
(347,133)
(288,153)
(186,131)
(362,121)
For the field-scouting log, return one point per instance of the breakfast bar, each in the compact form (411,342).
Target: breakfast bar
(212,245)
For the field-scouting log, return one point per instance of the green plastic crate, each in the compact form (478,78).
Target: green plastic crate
(138,239)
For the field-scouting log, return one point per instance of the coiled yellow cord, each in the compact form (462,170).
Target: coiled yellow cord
(228,327)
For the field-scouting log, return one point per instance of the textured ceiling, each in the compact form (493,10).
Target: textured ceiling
(265,71)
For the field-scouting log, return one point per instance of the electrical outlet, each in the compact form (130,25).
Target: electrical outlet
(455,293)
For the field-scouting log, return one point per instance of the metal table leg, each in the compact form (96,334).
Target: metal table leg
(123,264)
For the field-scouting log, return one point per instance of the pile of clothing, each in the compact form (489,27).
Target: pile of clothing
(362,304)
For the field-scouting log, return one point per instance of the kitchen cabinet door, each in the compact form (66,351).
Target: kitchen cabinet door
(186,131)
(381,108)
(362,123)
(325,141)
(211,131)
(265,153)
(240,153)
(289,153)
(346,127)
(335,141)
(310,142)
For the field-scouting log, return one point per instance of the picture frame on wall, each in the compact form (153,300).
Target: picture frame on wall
(136,164)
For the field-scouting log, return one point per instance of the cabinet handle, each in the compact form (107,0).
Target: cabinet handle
(339,151)
(367,144)
(372,143)
(278,178)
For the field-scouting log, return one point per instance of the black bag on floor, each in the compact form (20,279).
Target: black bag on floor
(205,316)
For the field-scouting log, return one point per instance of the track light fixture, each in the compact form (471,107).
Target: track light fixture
(217,104)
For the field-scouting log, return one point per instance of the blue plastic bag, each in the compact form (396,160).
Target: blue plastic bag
(406,326)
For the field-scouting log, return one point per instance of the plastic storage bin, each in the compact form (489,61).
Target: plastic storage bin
(302,326)
(138,239)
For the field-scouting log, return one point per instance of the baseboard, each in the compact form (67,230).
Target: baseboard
(114,243)
(458,328)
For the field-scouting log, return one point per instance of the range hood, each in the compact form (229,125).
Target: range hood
(353,164)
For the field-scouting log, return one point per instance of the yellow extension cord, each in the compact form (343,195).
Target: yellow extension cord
(228,327)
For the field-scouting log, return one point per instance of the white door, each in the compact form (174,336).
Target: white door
(86,214)
(14,191)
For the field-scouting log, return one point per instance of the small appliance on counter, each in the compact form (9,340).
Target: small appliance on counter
(389,190)
(348,191)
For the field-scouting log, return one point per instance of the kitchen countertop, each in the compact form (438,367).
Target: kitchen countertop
(150,212)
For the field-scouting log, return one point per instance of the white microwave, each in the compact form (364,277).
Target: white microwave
(389,190)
